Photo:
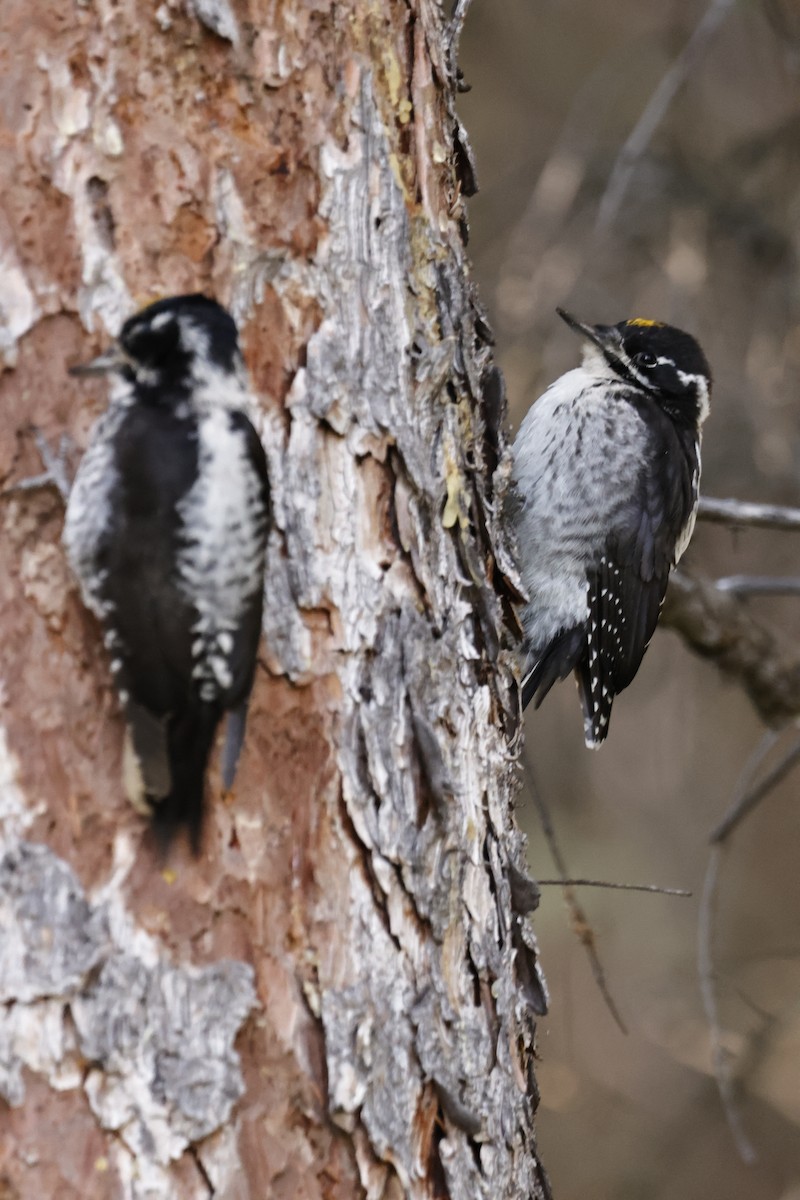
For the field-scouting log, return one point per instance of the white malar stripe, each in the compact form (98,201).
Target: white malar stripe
(213,387)
(701,386)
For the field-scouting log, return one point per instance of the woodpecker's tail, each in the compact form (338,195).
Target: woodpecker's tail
(554,663)
(190,737)
(597,697)
(234,737)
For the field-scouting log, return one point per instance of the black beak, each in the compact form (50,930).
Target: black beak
(606,337)
(112,359)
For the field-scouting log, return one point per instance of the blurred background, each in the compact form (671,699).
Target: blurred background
(700,227)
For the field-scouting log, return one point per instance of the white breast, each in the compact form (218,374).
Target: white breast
(576,457)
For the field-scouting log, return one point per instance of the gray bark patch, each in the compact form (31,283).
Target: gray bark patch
(158,1037)
(50,937)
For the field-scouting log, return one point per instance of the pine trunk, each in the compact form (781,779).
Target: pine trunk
(338,998)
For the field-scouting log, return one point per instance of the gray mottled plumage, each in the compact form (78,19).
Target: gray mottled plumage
(606,476)
(166,530)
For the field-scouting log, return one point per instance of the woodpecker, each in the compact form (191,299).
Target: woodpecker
(606,475)
(166,531)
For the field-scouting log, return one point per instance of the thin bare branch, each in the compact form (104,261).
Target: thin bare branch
(750,798)
(580,921)
(759,585)
(718,626)
(745,796)
(720,1057)
(604,883)
(457,20)
(750,769)
(743,512)
(655,110)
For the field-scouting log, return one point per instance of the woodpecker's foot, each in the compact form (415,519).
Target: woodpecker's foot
(55,463)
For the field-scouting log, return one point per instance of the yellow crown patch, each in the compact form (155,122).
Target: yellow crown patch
(643,321)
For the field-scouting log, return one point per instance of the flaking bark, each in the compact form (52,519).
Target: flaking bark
(359,919)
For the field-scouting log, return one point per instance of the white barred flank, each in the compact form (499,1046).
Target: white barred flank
(220,566)
(89,509)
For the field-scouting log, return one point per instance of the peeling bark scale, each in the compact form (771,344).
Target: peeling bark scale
(339,998)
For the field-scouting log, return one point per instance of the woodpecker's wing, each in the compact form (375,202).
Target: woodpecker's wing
(629,582)
(148,619)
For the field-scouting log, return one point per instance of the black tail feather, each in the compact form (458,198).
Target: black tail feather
(234,737)
(554,663)
(190,738)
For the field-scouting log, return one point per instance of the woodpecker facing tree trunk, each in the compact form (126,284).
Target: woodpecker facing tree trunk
(339,997)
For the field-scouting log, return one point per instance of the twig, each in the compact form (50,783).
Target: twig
(745,797)
(579,919)
(742,512)
(654,111)
(747,800)
(705,967)
(745,781)
(604,883)
(718,626)
(759,585)
(454,33)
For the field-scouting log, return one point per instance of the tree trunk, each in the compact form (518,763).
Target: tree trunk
(337,999)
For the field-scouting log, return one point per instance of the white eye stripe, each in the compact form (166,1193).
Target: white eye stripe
(700,381)
(686,377)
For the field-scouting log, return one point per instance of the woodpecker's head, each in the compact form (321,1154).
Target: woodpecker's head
(659,359)
(172,346)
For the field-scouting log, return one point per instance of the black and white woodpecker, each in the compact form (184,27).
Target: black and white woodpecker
(166,530)
(606,477)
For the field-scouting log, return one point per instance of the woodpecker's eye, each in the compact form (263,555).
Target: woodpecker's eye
(645,359)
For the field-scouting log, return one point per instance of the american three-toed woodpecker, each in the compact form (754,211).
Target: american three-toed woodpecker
(606,476)
(166,530)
